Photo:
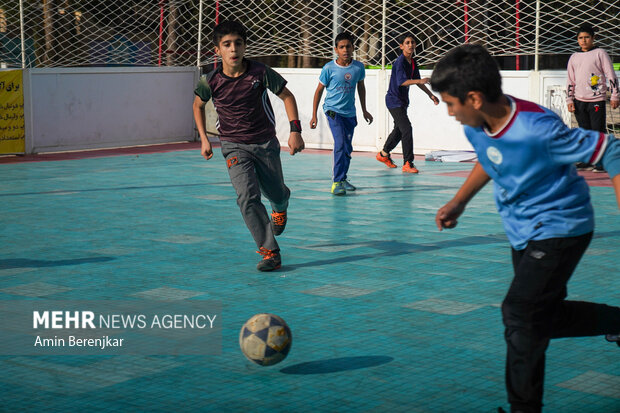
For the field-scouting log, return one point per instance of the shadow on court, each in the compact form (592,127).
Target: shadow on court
(336,365)
(394,248)
(28,263)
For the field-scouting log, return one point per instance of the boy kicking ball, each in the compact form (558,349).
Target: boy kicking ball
(238,88)
(530,154)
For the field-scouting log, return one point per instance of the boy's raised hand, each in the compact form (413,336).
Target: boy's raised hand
(295,143)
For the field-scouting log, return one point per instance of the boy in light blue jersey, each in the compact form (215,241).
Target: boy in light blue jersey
(545,206)
(341,77)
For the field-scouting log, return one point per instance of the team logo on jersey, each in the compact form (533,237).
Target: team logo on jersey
(494,155)
(347,76)
(255,84)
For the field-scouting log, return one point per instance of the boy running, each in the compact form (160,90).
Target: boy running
(529,153)
(341,77)
(405,72)
(238,88)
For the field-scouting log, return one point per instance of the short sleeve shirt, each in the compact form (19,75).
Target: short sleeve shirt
(340,83)
(402,70)
(538,192)
(245,114)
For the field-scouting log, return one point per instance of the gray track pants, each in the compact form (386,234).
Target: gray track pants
(256,168)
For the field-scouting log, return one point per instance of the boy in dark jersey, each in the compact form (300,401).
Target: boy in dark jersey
(405,72)
(545,206)
(238,88)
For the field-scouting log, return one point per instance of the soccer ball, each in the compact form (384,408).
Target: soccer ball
(265,339)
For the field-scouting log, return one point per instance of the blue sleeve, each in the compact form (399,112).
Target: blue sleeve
(398,71)
(362,72)
(568,145)
(611,156)
(324,76)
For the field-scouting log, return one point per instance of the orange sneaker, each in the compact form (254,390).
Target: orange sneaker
(278,222)
(386,160)
(271,260)
(409,167)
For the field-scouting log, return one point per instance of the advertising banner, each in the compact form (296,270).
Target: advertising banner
(12,130)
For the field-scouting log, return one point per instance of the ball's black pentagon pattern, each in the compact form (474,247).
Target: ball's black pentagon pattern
(265,339)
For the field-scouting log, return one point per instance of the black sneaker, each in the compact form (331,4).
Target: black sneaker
(613,338)
(582,166)
(278,222)
(598,168)
(271,260)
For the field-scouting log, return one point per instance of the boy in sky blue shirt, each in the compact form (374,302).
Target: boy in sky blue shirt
(341,77)
(545,206)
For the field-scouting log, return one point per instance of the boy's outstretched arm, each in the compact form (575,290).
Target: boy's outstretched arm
(361,91)
(448,214)
(432,97)
(199,117)
(295,141)
(315,104)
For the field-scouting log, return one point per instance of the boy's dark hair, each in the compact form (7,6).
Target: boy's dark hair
(344,36)
(467,68)
(401,38)
(587,28)
(229,27)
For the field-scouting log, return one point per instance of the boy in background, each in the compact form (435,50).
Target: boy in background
(341,77)
(545,206)
(238,87)
(405,72)
(586,90)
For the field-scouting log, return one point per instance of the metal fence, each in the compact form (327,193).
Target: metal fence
(294,33)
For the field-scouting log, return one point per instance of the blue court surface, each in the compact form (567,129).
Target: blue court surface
(388,314)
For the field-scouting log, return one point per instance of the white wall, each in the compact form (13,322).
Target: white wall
(433,129)
(86,108)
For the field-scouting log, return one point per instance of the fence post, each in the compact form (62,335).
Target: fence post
(536,94)
(21,32)
(381,86)
(199,33)
(536,43)
(335,19)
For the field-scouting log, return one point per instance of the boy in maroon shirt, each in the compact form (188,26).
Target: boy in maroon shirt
(238,88)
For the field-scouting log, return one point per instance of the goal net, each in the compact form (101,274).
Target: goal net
(294,33)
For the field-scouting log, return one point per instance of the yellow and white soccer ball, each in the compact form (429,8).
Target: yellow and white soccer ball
(265,339)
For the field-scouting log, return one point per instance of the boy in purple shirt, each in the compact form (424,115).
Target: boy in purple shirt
(405,73)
